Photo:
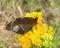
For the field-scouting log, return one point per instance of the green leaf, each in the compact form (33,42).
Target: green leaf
(55,30)
(55,26)
(58,46)
(4,44)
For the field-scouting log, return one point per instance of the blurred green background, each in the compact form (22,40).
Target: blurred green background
(10,9)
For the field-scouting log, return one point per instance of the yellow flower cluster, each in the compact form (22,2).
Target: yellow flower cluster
(24,41)
(39,35)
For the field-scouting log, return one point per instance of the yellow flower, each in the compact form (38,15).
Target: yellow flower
(34,14)
(35,40)
(28,15)
(50,30)
(40,31)
(40,13)
(47,44)
(24,41)
(47,37)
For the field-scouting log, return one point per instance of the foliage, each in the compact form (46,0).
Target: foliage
(4,44)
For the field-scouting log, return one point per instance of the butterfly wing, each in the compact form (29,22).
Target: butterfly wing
(26,27)
(21,26)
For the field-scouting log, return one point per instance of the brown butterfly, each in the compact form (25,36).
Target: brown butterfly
(21,25)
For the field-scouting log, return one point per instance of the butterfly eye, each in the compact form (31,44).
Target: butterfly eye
(35,18)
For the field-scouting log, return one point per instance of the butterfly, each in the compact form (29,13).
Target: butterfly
(21,25)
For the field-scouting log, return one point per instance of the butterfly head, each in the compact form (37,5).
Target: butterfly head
(35,20)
